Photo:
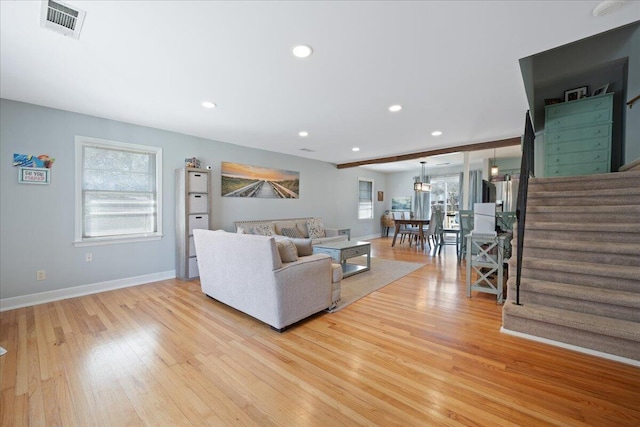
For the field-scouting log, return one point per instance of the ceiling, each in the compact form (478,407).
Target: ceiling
(452,65)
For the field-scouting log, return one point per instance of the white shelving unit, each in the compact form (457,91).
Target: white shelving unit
(193,210)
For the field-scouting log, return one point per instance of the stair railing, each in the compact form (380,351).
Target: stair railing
(526,170)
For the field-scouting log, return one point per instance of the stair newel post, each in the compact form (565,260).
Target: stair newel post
(526,170)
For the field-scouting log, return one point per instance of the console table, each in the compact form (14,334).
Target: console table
(488,261)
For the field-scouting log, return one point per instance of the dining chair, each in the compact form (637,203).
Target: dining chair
(466,226)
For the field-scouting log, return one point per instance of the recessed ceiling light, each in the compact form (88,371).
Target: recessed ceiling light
(436,133)
(303,133)
(208,104)
(355,149)
(607,6)
(395,108)
(302,51)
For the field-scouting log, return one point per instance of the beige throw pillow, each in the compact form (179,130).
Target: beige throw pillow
(287,250)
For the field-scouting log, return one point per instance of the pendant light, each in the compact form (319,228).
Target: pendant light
(494,168)
(420,185)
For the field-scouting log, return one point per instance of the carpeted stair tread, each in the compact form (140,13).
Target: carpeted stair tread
(602,325)
(587,178)
(587,192)
(615,227)
(587,293)
(606,209)
(613,272)
(585,246)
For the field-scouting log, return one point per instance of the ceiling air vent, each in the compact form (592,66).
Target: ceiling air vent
(62,18)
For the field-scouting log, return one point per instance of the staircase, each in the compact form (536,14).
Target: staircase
(580,280)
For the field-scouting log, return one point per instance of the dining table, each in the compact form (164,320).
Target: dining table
(413,222)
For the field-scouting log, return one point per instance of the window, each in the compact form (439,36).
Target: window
(118,192)
(365,198)
(445,191)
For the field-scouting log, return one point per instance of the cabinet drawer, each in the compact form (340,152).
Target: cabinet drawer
(591,117)
(353,252)
(580,134)
(198,221)
(198,182)
(574,158)
(580,169)
(577,146)
(193,268)
(577,107)
(198,203)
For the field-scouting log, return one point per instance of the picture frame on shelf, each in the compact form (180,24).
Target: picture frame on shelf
(601,90)
(575,94)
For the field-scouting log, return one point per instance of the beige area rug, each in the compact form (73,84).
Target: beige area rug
(381,274)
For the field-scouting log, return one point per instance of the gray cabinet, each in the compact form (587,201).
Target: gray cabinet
(193,210)
(577,138)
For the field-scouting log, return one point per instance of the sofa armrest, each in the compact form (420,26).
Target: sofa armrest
(303,287)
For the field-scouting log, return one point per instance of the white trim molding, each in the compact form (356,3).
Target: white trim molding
(77,291)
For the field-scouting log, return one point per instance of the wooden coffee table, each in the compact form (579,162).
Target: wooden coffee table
(342,251)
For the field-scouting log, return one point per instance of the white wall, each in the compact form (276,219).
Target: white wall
(37,221)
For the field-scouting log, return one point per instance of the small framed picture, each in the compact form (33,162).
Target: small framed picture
(577,93)
(381,196)
(601,90)
(33,175)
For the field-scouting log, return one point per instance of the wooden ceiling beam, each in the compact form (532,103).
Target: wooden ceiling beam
(402,157)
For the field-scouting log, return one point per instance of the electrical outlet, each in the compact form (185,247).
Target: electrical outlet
(88,257)
(41,275)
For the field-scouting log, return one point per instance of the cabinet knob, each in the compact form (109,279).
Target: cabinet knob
(557,160)
(597,156)
(557,136)
(597,144)
(596,132)
(557,148)
(598,116)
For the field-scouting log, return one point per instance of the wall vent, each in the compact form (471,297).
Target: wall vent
(62,18)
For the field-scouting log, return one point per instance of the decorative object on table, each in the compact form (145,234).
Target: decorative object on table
(575,94)
(420,185)
(192,163)
(401,203)
(601,90)
(259,182)
(551,101)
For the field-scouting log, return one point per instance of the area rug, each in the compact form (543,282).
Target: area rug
(382,273)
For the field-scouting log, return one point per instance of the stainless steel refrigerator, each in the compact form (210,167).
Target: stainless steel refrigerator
(506,195)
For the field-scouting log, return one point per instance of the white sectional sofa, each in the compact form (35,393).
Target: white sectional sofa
(305,228)
(247,272)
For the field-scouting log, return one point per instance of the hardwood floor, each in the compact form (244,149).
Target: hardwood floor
(416,353)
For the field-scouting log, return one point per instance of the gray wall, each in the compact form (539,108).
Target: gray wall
(37,221)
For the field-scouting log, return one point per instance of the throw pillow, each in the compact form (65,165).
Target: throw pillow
(264,230)
(303,246)
(240,230)
(316,228)
(287,250)
(292,232)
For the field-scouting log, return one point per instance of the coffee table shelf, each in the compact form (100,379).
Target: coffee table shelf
(342,251)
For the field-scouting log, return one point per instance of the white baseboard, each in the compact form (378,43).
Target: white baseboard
(77,291)
(573,347)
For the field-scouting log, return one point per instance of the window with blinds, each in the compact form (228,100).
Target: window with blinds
(118,191)
(365,198)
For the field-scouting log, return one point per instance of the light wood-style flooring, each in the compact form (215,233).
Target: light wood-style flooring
(416,353)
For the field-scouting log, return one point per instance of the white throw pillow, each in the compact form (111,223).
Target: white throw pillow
(316,228)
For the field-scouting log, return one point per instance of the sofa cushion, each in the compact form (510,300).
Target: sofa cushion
(292,232)
(287,250)
(280,224)
(303,246)
(315,228)
(264,230)
(241,230)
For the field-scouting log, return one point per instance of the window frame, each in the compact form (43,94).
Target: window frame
(370,180)
(80,143)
